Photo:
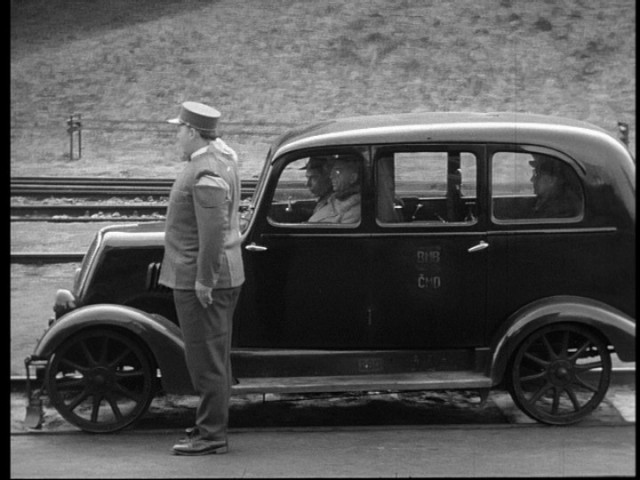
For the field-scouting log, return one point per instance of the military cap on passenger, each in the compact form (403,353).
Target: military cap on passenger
(323,161)
(198,116)
(315,163)
(345,157)
(545,164)
(349,160)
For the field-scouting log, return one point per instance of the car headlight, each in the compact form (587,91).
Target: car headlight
(64,302)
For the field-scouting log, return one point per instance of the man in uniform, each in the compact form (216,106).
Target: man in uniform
(203,265)
(343,205)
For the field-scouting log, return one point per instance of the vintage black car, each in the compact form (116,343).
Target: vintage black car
(456,273)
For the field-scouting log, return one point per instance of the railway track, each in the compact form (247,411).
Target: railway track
(40,258)
(88,213)
(99,187)
(92,193)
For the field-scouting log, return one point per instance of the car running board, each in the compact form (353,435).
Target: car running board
(457,380)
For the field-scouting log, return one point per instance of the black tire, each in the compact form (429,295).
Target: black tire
(560,374)
(100,380)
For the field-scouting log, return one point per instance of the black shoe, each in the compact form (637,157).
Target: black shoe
(200,446)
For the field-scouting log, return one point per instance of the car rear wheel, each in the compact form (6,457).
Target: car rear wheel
(100,380)
(560,374)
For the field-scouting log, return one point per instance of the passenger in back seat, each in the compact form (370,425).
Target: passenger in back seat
(556,196)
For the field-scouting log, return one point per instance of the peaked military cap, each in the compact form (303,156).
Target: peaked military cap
(545,164)
(198,116)
(315,163)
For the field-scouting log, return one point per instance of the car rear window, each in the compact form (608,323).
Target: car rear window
(534,187)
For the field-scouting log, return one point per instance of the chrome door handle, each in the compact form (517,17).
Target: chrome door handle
(252,247)
(481,246)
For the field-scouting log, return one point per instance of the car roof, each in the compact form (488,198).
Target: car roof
(433,127)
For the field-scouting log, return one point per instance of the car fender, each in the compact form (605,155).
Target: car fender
(162,337)
(618,328)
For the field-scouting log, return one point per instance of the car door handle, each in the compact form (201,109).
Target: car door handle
(476,248)
(252,247)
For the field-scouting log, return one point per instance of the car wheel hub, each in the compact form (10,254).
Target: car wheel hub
(561,373)
(100,380)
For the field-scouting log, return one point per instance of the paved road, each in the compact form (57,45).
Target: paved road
(439,451)
(423,434)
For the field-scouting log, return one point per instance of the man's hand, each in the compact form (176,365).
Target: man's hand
(204,294)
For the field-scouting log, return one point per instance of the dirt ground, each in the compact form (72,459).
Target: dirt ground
(125,67)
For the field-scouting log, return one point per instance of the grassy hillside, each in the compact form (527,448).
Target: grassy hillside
(293,61)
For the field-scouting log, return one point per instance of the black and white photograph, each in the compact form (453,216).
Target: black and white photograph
(322,238)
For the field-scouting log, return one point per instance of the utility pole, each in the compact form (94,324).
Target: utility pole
(74,125)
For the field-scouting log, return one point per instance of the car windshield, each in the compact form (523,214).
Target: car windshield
(248,205)
(86,263)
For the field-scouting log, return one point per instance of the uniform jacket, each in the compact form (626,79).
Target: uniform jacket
(202,234)
(345,210)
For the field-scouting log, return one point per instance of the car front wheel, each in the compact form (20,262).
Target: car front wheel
(100,380)
(560,374)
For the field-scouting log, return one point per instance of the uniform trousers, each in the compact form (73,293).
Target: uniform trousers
(207,340)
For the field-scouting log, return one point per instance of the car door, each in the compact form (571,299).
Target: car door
(551,241)
(429,247)
(306,280)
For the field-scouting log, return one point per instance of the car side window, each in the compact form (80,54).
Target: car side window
(534,187)
(422,187)
(319,190)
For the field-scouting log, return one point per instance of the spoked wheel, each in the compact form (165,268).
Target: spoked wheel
(560,374)
(100,381)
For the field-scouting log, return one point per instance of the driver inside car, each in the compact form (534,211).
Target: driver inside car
(319,184)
